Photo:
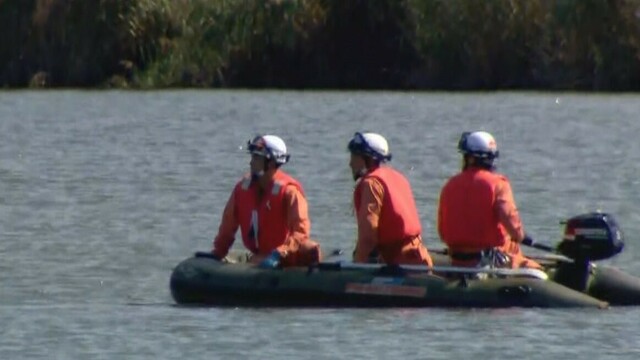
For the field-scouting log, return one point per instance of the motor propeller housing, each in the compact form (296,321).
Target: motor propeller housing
(591,236)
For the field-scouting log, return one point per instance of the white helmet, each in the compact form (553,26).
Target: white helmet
(479,144)
(271,147)
(370,144)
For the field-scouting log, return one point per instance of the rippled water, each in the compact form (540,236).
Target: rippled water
(102,193)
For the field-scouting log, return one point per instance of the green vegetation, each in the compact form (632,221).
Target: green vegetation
(366,44)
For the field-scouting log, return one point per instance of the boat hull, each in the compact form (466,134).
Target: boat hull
(614,286)
(205,281)
(605,283)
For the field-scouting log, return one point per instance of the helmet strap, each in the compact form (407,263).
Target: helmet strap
(371,163)
(362,172)
(255,176)
(264,177)
(265,165)
(465,162)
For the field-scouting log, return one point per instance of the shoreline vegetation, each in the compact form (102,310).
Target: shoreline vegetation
(581,45)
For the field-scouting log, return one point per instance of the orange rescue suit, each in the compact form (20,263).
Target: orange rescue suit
(387,218)
(275,218)
(477,211)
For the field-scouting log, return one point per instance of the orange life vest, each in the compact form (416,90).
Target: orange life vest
(399,222)
(466,219)
(263,222)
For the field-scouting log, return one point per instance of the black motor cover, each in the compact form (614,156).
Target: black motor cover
(592,236)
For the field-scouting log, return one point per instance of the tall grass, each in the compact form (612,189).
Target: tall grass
(75,42)
(397,44)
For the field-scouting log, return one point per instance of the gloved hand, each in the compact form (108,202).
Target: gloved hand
(272,261)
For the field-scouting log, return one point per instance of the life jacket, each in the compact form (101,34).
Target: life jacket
(466,219)
(263,221)
(399,222)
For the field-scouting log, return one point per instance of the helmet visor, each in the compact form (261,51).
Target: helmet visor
(257,146)
(357,144)
(462,143)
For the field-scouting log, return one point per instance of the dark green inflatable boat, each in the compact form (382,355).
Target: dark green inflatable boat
(203,280)
(570,280)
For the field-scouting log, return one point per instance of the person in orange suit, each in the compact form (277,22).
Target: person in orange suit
(389,227)
(270,208)
(477,215)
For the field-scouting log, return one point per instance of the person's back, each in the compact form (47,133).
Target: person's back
(477,215)
(398,212)
(467,219)
(386,214)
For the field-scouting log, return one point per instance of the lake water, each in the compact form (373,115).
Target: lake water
(102,193)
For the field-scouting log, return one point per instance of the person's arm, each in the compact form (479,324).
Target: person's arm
(297,213)
(227,230)
(368,217)
(508,212)
(440,219)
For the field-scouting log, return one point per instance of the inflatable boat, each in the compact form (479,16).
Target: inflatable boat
(570,279)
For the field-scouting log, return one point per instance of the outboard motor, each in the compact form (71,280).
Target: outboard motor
(587,237)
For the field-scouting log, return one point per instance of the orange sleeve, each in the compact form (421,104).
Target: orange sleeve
(441,210)
(227,230)
(508,212)
(297,212)
(368,216)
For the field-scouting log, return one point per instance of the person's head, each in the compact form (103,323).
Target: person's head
(368,151)
(268,153)
(478,149)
